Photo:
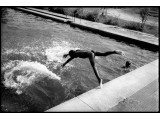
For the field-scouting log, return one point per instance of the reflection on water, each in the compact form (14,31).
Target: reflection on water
(31,55)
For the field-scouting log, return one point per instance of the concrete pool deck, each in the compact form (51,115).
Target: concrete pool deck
(136,91)
(141,39)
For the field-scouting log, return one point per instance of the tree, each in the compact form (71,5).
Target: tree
(80,13)
(144,16)
(67,11)
(104,11)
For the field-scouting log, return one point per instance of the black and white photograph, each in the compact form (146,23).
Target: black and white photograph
(79,59)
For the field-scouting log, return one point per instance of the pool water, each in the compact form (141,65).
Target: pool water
(31,54)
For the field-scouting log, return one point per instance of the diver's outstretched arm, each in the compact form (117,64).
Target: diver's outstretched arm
(67,61)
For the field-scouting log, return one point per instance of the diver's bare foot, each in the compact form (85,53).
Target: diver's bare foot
(100,85)
(120,52)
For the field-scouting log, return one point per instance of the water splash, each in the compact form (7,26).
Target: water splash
(58,49)
(21,74)
(22,68)
(33,74)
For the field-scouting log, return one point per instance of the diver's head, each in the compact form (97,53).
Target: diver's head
(72,53)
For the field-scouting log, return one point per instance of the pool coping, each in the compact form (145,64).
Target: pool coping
(143,40)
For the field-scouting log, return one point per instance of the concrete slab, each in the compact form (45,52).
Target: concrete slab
(72,105)
(145,100)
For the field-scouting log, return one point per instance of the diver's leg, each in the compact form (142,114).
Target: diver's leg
(91,59)
(104,53)
(108,53)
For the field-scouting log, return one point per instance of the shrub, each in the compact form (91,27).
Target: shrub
(92,16)
(134,26)
(57,10)
(144,15)
(102,19)
(111,21)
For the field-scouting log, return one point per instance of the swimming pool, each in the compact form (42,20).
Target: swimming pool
(31,53)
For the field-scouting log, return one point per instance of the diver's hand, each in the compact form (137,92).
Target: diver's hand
(62,66)
(65,55)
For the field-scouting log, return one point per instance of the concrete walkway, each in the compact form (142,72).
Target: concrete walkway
(136,91)
(145,100)
(133,37)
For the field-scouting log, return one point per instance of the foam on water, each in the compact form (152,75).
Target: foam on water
(58,49)
(24,74)
(19,73)
(34,74)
